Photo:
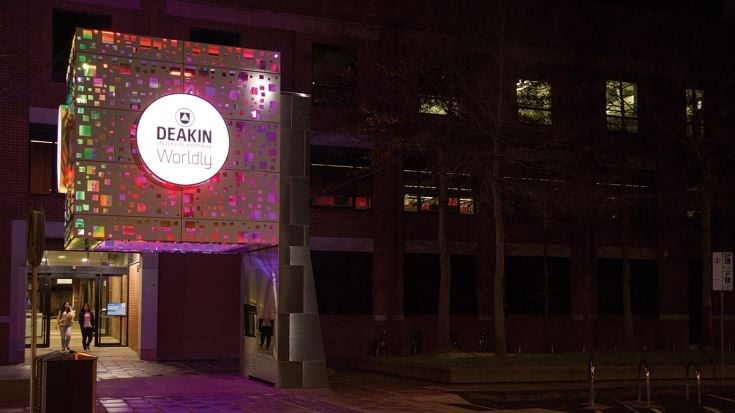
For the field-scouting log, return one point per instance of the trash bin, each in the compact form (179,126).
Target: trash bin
(65,382)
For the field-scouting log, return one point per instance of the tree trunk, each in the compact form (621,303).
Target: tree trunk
(547,332)
(628,330)
(445,270)
(707,333)
(499,280)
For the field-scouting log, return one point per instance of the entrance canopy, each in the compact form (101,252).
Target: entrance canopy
(169,145)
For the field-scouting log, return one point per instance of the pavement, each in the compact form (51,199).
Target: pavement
(127,384)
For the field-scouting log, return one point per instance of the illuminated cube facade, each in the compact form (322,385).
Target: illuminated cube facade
(116,201)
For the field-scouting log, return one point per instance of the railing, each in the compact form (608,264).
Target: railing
(698,377)
(643,367)
(591,375)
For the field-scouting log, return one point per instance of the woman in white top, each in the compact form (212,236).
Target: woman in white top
(65,320)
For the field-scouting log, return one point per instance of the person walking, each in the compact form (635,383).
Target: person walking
(87,324)
(65,320)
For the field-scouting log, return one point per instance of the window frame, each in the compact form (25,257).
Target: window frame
(43,136)
(343,282)
(342,84)
(546,110)
(423,191)
(621,116)
(354,184)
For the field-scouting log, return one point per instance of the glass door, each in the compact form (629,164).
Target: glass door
(112,324)
(42,311)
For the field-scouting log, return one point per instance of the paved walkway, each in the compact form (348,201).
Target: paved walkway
(127,384)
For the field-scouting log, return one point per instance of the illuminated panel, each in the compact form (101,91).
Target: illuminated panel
(64,166)
(114,202)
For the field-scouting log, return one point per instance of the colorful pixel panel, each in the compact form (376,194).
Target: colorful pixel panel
(128,45)
(113,203)
(237,94)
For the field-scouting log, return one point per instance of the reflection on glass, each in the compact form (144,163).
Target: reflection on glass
(438,105)
(410,203)
(429,203)
(534,101)
(466,206)
(621,106)
(695,112)
(113,322)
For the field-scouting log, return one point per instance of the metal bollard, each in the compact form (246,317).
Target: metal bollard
(591,373)
(698,377)
(643,366)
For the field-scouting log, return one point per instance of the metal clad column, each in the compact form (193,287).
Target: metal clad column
(300,351)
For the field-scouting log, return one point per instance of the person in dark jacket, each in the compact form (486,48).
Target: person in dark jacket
(87,322)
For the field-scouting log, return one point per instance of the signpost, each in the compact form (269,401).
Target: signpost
(35,245)
(722,268)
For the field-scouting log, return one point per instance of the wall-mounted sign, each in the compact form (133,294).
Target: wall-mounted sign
(117,309)
(722,271)
(182,139)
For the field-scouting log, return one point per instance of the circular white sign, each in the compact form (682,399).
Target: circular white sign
(182,139)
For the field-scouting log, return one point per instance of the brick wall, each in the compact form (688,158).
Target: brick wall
(192,286)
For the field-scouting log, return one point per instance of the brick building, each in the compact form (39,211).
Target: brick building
(373,230)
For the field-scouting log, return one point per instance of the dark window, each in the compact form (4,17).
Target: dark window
(343,282)
(643,288)
(214,37)
(524,285)
(64,26)
(340,177)
(42,159)
(334,75)
(464,284)
(421,284)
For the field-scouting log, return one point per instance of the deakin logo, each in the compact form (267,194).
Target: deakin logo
(184,117)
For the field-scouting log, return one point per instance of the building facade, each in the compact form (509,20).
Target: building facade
(373,220)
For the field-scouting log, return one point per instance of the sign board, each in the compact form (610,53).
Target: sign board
(116,309)
(182,139)
(722,269)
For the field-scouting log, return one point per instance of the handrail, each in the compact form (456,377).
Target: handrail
(643,366)
(698,377)
(591,376)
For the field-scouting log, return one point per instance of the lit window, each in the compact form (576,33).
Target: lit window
(436,105)
(695,112)
(340,177)
(534,101)
(622,106)
(436,95)
(421,190)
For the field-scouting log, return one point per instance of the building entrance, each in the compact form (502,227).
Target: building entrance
(97,279)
